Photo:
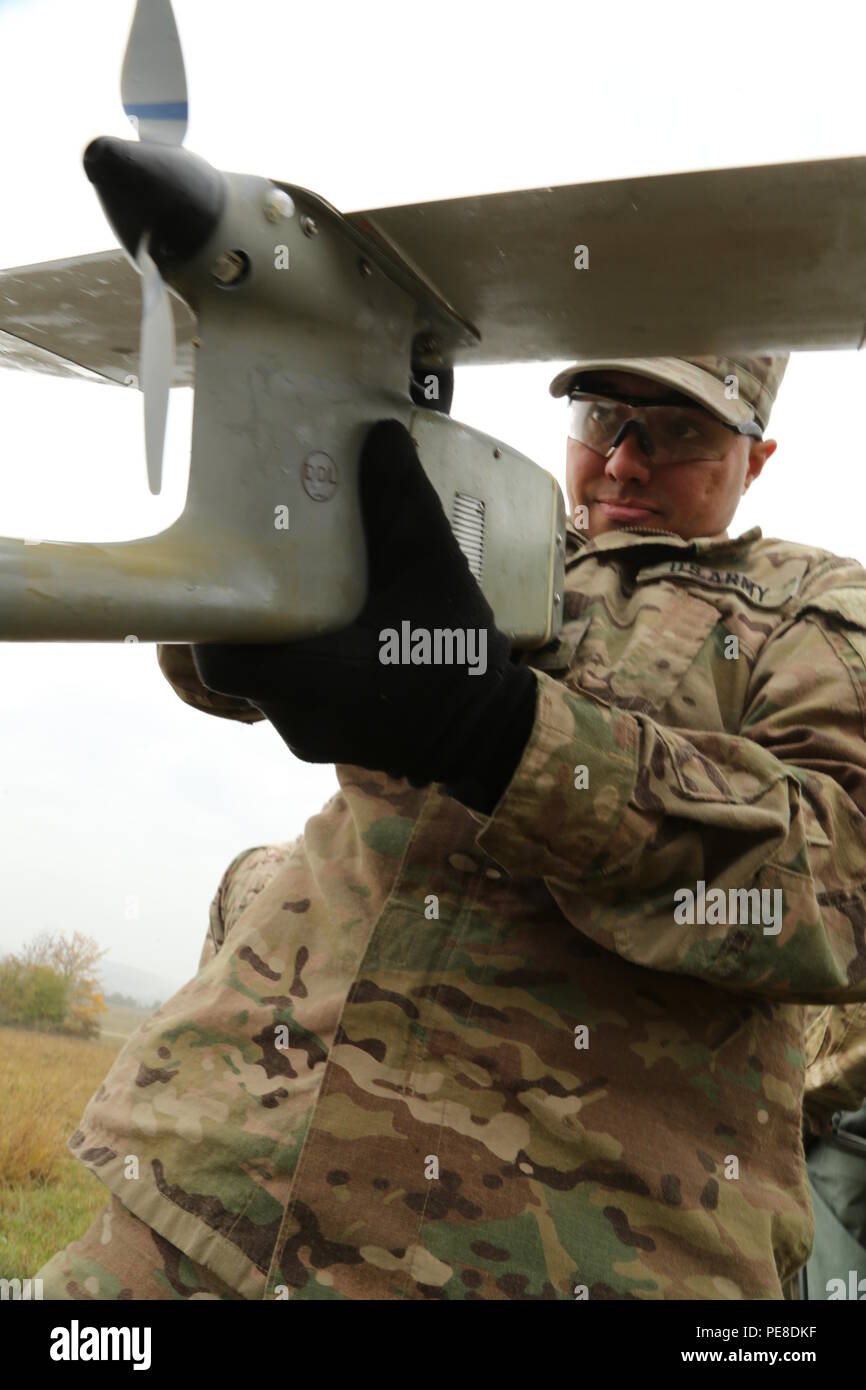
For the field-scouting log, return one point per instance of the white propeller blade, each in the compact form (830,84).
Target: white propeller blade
(153,81)
(156,362)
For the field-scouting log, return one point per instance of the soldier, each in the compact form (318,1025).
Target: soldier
(461,1039)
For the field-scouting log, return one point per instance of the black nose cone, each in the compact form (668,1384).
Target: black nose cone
(162,190)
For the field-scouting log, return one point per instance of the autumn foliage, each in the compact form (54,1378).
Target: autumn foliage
(53,984)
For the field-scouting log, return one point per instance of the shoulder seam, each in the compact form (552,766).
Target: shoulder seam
(827,633)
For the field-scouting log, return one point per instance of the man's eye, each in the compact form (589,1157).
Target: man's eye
(684,429)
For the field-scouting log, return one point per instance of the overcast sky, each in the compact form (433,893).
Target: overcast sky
(119,806)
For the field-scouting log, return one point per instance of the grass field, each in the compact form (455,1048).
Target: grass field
(47,1198)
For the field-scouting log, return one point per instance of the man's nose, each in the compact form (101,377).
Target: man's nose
(628,459)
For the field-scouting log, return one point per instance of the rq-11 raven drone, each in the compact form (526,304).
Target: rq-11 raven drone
(300,326)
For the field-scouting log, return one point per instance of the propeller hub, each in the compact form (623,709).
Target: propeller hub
(174,196)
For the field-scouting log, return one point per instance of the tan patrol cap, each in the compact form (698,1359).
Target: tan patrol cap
(736,389)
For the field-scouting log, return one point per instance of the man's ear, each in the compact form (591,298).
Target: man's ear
(759,452)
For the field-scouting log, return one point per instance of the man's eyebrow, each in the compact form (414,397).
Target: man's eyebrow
(670,398)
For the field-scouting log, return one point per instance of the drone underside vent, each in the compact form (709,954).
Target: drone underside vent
(467,523)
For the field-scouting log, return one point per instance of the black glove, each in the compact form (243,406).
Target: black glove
(332,699)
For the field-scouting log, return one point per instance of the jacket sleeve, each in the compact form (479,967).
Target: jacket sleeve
(779,805)
(176,664)
(246,876)
(835,1064)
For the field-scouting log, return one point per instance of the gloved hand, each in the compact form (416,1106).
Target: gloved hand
(332,699)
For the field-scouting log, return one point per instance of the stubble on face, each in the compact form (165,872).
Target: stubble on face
(691,499)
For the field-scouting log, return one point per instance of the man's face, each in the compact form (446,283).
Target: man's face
(697,498)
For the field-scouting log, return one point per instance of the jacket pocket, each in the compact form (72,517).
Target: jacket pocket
(636,662)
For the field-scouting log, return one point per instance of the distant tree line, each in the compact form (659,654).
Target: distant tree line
(53,985)
(127,1001)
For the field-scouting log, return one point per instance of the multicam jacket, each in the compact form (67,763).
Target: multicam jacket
(434,1054)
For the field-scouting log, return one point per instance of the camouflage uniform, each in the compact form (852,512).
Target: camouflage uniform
(836,1057)
(432,967)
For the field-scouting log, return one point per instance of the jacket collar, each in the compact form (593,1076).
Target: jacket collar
(625,538)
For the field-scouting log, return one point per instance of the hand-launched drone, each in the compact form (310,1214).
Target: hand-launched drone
(300,327)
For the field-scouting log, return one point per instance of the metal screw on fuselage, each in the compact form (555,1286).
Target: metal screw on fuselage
(497,453)
(365,268)
(309,226)
(228,268)
(277,204)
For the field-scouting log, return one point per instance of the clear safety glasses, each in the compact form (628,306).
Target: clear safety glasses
(667,433)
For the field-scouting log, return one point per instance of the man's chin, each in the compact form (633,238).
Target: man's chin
(600,523)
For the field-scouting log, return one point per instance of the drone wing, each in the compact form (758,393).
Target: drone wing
(755,259)
(81,317)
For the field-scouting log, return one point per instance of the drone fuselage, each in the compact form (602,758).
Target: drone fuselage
(306,335)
